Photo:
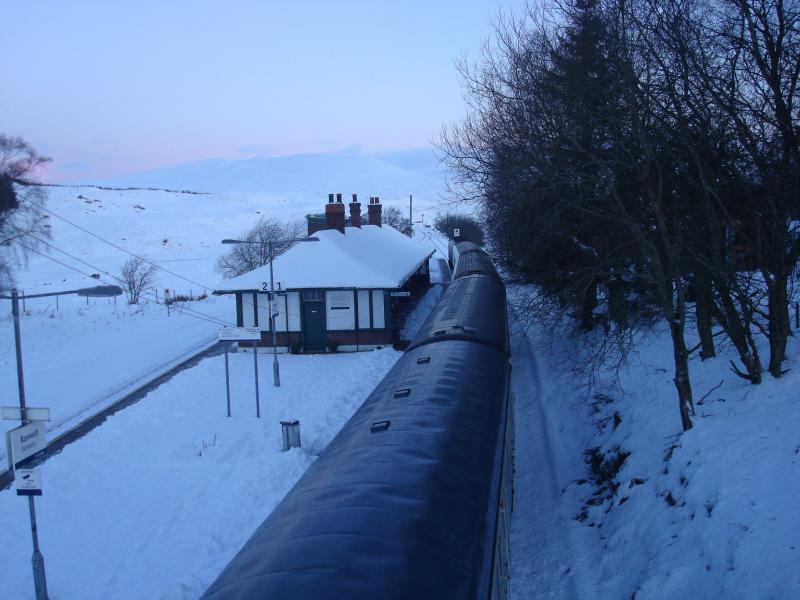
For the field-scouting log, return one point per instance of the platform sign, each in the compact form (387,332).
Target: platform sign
(400,294)
(28,482)
(14,413)
(239,334)
(26,442)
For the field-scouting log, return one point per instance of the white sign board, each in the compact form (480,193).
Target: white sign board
(29,482)
(456,233)
(400,294)
(14,413)
(239,334)
(25,441)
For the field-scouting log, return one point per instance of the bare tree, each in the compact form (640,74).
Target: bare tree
(243,258)
(137,276)
(21,215)
(394,217)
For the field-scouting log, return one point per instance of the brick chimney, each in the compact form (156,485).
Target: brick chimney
(334,213)
(355,212)
(374,211)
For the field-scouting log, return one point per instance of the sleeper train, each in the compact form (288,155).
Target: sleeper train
(412,498)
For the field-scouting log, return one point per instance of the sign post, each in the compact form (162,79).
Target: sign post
(37,560)
(241,334)
(227,380)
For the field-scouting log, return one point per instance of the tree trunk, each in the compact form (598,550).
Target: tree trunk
(617,306)
(588,305)
(704,304)
(682,382)
(779,325)
(737,326)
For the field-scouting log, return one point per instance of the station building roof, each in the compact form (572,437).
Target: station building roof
(366,257)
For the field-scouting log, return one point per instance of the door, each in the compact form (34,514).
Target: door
(313,325)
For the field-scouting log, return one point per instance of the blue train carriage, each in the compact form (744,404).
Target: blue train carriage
(412,498)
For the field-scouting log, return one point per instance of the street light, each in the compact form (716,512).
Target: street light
(39,579)
(276,374)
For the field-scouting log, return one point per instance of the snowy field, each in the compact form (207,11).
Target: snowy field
(155,502)
(711,513)
(180,232)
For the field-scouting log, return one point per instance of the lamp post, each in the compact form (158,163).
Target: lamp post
(276,374)
(37,559)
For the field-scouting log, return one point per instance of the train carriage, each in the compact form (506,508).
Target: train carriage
(412,497)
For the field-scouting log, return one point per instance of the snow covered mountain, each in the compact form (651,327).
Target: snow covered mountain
(389,174)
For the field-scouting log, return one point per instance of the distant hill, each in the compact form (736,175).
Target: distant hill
(387,174)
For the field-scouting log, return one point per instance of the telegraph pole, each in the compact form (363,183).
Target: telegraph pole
(410,211)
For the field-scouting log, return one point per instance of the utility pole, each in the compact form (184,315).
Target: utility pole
(39,579)
(411,212)
(276,374)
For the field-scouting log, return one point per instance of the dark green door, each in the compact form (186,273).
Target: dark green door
(313,326)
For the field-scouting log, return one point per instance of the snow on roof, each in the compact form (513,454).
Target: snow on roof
(365,257)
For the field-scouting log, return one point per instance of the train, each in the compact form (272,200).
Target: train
(413,497)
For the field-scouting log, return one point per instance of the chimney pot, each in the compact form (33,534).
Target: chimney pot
(339,198)
(334,214)
(374,211)
(355,212)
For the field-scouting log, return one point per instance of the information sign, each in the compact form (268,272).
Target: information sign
(28,482)
(239,334)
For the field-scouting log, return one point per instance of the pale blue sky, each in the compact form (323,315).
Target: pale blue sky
(111,87)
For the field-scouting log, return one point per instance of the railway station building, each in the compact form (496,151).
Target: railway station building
(336,294)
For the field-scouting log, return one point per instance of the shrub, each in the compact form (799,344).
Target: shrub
(470,229)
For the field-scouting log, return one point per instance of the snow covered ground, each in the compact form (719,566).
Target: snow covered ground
(711,513)
(81,358)
(155,502)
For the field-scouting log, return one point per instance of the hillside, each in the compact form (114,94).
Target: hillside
(390,175)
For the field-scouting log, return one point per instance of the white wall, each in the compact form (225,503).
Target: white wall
(377,309)
(363,309)
(293,300)
(248,318)
(340,310)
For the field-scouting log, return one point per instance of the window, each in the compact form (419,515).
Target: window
(313,295)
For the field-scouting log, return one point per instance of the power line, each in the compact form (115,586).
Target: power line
(190,311)
(125,250)
(245,300)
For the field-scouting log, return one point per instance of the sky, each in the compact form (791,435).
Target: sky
(111,88)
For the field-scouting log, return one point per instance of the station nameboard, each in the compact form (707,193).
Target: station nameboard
(25,442)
